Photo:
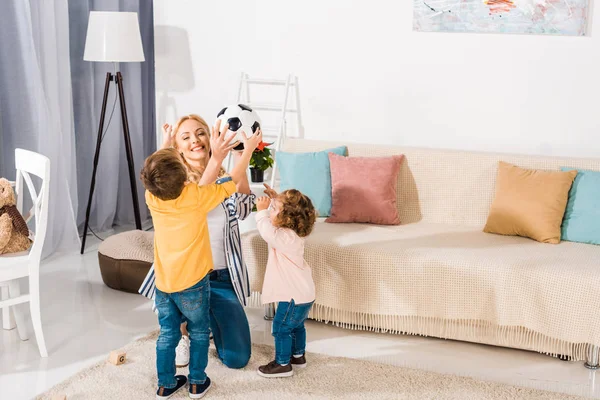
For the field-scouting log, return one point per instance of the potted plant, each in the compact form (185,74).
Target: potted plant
(261,161)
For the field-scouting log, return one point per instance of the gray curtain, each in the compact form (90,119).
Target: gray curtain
(112,201)
(36,105)
(50,103)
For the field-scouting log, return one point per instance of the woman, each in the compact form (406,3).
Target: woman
(229,284)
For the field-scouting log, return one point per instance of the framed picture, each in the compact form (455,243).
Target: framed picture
(554,17)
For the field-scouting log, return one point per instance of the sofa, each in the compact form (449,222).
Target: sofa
(438,273)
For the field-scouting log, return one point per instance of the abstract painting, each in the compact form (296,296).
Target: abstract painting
(556,17)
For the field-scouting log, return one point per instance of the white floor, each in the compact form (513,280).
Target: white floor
(84,320)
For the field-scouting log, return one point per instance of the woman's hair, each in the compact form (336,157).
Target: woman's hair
(194,174)
(297,212)
(164,174)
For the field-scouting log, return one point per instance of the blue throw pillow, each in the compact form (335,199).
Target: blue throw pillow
(309,173)
(581,222)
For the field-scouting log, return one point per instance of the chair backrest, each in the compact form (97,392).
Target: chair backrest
(30,163)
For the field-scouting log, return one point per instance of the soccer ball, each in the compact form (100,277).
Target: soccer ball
(240,117)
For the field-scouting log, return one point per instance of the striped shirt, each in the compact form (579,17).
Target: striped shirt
(237,207)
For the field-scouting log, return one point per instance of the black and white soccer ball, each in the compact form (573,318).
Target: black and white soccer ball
(240,117)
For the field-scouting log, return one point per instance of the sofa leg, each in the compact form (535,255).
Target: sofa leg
(270,311)
(592,361)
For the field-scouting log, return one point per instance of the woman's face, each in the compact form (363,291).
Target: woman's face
(193,141)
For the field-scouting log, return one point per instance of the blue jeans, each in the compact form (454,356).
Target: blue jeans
(289,331)
(228,322)
(192,304)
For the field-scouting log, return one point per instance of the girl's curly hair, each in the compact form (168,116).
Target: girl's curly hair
(297,212)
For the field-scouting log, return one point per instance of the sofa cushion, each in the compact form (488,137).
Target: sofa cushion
(529,203)
(363,189)
(581,222)
(310,174)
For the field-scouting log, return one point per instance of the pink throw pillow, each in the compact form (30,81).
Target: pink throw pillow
(363,189)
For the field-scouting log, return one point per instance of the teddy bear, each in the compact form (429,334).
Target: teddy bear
(14,233)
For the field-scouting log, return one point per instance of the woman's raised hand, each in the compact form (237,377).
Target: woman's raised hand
(167,132)
(220,145)
(252,142)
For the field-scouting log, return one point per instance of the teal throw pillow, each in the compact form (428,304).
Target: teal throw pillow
(309,173)
(581,222)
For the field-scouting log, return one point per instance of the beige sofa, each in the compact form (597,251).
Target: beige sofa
(438,274)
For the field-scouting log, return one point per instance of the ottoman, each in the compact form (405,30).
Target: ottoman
(125,259)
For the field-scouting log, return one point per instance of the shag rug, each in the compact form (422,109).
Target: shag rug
(324,378)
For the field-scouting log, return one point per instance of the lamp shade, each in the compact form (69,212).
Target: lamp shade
(113,37)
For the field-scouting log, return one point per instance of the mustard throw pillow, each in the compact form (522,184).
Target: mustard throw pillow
(529,203)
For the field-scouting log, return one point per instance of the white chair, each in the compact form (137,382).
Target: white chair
(27,264)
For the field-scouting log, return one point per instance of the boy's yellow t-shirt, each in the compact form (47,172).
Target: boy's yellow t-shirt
(182,254)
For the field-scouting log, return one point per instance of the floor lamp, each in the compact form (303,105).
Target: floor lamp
(113,37)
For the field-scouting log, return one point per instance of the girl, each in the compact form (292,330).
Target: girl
(288,278)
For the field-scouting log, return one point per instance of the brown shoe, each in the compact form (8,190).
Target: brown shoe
(274,370)
(298,362)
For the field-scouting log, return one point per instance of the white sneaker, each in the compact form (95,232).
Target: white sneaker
(182,352)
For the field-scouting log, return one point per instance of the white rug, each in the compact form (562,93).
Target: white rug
(324,378)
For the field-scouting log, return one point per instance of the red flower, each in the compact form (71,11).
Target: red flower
(261,146)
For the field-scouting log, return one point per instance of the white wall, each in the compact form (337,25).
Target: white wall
(365,76)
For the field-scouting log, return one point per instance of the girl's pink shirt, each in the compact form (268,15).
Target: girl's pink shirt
(288,276)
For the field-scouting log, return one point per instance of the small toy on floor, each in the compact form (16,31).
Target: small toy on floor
(117,357)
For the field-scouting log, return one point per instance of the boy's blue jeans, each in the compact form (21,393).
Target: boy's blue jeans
(193,304)
(289,331)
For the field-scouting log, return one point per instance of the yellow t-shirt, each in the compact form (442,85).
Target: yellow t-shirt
(182,255)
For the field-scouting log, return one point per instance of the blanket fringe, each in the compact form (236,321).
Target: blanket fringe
(463,330)
(476,331)
(254,300)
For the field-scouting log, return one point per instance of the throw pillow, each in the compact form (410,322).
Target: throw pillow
(310,174)
(363,189)
(582,217)
(529,203)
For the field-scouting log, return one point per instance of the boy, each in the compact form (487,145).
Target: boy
(182,261)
